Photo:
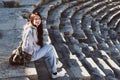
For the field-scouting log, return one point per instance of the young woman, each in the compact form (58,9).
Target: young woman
(33,44)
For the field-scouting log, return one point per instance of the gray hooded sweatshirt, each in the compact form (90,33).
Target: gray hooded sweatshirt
(29,38)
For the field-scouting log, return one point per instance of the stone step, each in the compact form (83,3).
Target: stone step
(74,47)
(9,71)
(104,67)
(104,55)
(117,29)
(110,14)
(114,66)
(54,15)
(78,32)
(84,5)
(58,36)
(91,38)
(79,15)
(17,78)
(30,2)
(73,65)
(104,31)
(64,57)
(86,22)
(78,69)
(96,7)
(87,50)
(117,44)
(93,69)
(114,21)
(95,13)
(103,13)
(103,46)
(70,11)
(112,34)
(42,70)
(80,73)
(66,27)
(115,53)
(95,25)
(47,7)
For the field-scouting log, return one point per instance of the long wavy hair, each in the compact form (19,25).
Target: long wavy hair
(39,28)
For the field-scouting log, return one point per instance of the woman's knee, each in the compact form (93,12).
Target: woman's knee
(51,46)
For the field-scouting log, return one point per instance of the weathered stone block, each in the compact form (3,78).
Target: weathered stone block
(114,66)
(80,72)
(16,78)
(19,71)
(93,69)
(104,67)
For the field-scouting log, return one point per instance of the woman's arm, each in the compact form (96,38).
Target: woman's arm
(27,45)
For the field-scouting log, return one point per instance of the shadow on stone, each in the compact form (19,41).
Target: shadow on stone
(11,4)
(0,35)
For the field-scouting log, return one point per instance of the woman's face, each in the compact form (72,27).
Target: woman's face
(37,20)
